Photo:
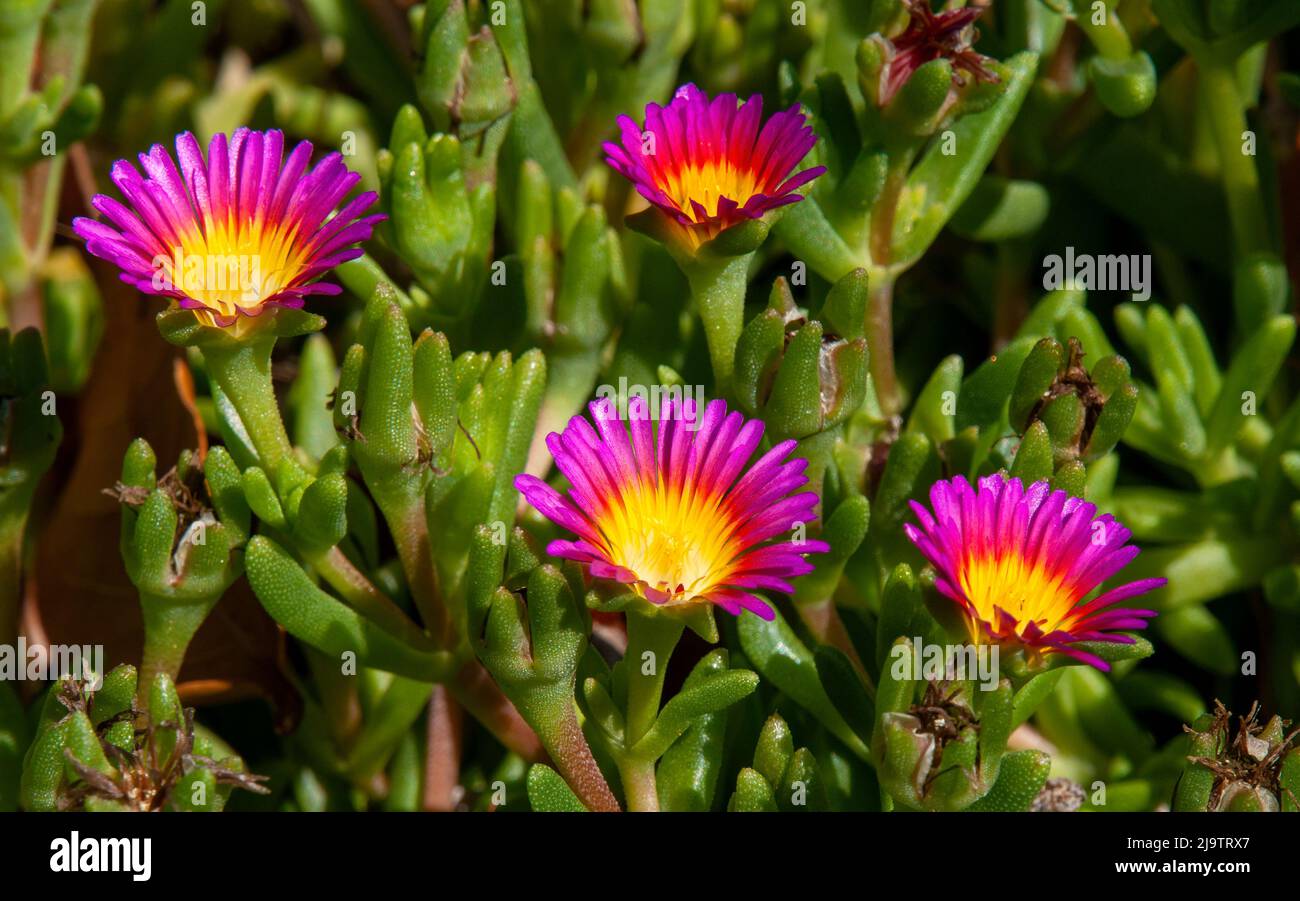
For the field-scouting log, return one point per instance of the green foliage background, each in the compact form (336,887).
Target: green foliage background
(895,322)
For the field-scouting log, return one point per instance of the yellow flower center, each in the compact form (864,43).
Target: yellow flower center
(230,267)
(1029,592)
(679,543)
(707,184)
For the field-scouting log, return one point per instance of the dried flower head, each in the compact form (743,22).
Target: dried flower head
(930,36)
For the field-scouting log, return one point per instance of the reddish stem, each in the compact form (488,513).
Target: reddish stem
(475,691)
(444,736)
(573,759)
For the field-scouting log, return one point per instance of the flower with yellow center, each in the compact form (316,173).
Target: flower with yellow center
(710,164)
(672,512)
(232,234)
(1020,562)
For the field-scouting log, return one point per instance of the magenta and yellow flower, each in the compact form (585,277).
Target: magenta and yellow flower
(233,234)
(672,512)
(1020,562)
(708,164)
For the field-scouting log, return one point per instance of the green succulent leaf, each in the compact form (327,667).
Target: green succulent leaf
(786,662)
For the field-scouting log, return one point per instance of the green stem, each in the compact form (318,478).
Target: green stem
(409,526)
(362,595)
(11,578)
(169,627)
(640,785)
(243,372)
(880,237)
(650,643)
(718,286)
(1110,38)
(880,304)
(1227,119)
(880,341)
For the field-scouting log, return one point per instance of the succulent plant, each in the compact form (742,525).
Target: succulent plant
(713,406)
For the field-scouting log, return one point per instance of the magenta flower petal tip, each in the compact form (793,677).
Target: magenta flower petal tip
(1020,561)
(710,164)
(669,507)
(232,233)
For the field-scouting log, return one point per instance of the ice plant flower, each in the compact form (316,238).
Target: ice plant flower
(929,36)
(708,164)
(671,511)
(1020,561)
(234,234)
